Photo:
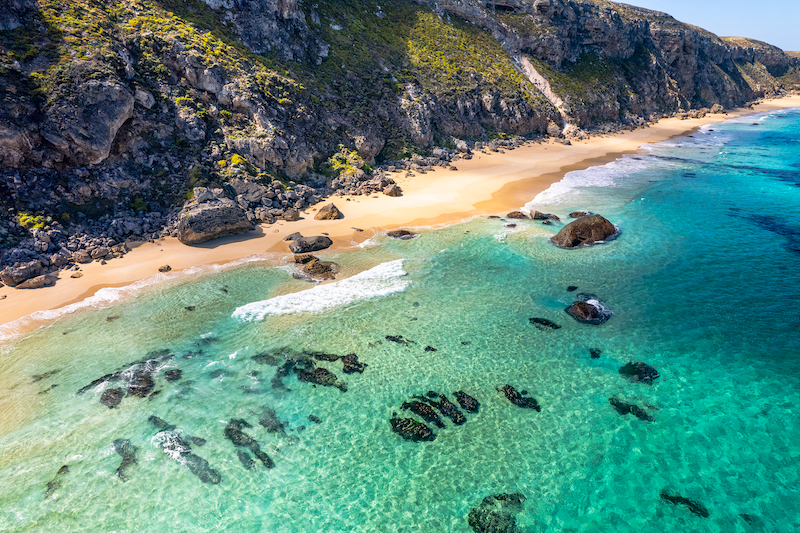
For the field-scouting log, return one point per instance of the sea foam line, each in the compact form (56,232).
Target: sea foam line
(382,280)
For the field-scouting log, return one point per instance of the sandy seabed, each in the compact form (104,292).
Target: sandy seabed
(489,183)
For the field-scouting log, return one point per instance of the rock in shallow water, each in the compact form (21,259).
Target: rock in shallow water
(124,448)
(424,411)
(496,514)
(402,234)
(639,372)
(693,505)
(111,397)
(592,312)
(410,429)
(467,402)
(544,324)
(515,397)
(625,408)
(584,231)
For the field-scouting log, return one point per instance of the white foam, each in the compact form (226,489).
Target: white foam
(382,280)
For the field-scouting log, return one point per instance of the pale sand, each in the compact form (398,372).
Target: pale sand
(490,183)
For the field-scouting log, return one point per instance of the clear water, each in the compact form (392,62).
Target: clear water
(703,283)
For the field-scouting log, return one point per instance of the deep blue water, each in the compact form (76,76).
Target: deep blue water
(703,284)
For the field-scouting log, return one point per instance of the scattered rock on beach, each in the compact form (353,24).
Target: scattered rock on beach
(305,245)
(46,280)
(293,236)
(203,222)
(402,234)
(393,190)
(584,231)
(164,268)
(328,212)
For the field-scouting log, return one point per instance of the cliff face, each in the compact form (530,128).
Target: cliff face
(112,109)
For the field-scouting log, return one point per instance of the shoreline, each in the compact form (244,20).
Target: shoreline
(488,184)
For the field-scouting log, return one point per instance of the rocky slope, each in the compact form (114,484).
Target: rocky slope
(115,113)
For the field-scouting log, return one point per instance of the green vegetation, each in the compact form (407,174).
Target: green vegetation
(344,163)
(32,222)
(139,205)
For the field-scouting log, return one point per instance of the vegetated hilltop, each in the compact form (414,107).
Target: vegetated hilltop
(119,109)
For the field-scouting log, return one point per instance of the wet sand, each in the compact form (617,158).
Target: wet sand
(490,183)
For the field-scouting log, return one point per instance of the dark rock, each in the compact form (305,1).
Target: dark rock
(269,420)
(319,270)
(430,349)
(233,432)
(544,324)
(111,397)
(128,451)
(424,411)
(402,234)
(518,215)
(310,244)
(398,339)
(328,212)
(302,259)
(410,429)
(203,222)
(160,423)
(319,356)
(496,514)
(511,226)
(39,377)
(46,280)
(142,384)
(584,231)
(589,312)
(625,408)
(198,441)
(467,402)
(55,483)
(352,364)
(112,318)
(268,359)
(173,375)
(164,268)
(180,451)
(547,223)
(293,237)
(13,276)
(190,308)
(538,215)
(693,505)
(580,214)
(513,396)
(246,460)
(448,409)
(572,288)
(639,372)
(321,376)
(594,353)
(314,419)
(393,190)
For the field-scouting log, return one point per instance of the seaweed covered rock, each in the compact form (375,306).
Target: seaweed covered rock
(467,402)
(233,432)
(111,397)
(321,376)
(497,514)
(410,429)
(449,409)
(177,449)
(515,397)
(639,372)
(424,411)
(584,231)
(199,223)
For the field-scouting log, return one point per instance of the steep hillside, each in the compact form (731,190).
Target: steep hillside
(113,112)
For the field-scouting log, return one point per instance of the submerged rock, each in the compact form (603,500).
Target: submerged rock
(398,339)
(321,376)
(180,451)
(245,459)
(55,483)
(233,432)
(448,409)
(424,411)
(269,419)
(496,514)
(639,372)
(518,215)
(142,384)
(410,429)
(467,402)
(693,505)
(111,397)
(594,353)
(124,448)
(625,408)
(267,358)
(584,231)
(544,324)
(514,396)
(173,375)
(352,364)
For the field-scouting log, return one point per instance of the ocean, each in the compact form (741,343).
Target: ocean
(230,432)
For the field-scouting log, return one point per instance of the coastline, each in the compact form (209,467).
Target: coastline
(490,183)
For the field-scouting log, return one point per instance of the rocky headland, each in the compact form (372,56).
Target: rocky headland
(199,119)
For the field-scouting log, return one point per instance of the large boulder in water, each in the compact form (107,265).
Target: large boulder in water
(584,231)
(204,222)
(591,311)
(639,372)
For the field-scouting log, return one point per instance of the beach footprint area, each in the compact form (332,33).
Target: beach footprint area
(472,378)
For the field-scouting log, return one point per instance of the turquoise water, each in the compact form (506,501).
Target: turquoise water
(703,283)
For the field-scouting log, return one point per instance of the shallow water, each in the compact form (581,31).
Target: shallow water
(702,281)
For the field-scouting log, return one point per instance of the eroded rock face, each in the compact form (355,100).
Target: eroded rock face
(204,222)
(84,128)
(584,231)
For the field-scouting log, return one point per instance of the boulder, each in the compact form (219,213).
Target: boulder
(717,108)
(310,244)
(319,270)
(496,514)
(538,215)
(579,214)
(402,234)
(639,372)
(248,191)
(519,215)
(164,268)
(467,402)
(81,256)
(293,237)
(47,280)
(584,231)
(393,190)
(410,429)
(328,212)
(204,222)
(591,311)
(13,276)
(291,215)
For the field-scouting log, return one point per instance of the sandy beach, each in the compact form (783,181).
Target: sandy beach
(490,183)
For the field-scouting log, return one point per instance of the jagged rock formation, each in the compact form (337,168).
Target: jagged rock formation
(124,113)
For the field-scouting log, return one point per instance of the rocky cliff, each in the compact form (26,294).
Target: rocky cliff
(114,113)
